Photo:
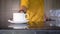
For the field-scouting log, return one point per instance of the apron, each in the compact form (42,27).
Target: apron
(35,13)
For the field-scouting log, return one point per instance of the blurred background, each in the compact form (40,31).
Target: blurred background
(7,8)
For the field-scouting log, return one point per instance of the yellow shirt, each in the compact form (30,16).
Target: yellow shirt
(35,12)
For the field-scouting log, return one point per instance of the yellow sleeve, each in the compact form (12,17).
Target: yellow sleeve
(24,3)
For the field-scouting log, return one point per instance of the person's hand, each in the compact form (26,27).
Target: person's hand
(23,8)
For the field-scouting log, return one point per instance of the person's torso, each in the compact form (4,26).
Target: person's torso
(36,10)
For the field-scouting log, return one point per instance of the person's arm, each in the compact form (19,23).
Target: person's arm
(24,5)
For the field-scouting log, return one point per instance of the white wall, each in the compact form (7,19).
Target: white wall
(48,6)
(7,8)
